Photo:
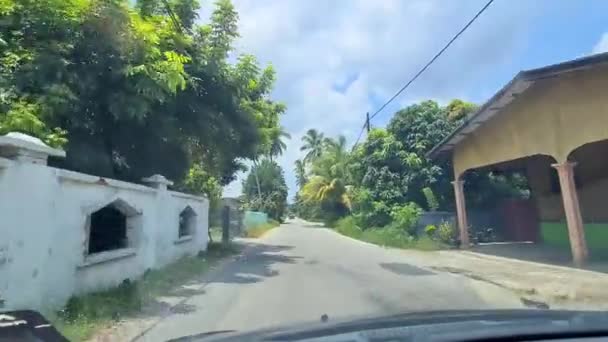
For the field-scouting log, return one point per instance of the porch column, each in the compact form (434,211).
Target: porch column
(461,211)
(576,231)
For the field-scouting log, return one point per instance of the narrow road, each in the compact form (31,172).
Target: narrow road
(298,272)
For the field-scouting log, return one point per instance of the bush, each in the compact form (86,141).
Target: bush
(405,217)
(446,233)
(348,226)
(430,230)
(389,237)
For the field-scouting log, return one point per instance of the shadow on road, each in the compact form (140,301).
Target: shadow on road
(255,264)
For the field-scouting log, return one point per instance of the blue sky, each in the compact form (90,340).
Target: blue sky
(336,60)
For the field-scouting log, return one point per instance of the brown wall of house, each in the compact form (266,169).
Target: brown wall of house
(593,200)
(553,117)
(591,176)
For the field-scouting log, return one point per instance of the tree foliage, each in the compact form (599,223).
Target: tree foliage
(132,89)
(387,180)
(389,170)
(313,145)
(272,196)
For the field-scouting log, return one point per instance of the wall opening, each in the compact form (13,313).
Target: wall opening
(108,230)
(187,222)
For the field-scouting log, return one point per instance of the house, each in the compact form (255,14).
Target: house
(552,124)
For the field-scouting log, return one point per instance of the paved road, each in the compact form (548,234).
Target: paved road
(298,272)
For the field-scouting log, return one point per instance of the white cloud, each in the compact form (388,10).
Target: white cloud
(602,44)
(314,45)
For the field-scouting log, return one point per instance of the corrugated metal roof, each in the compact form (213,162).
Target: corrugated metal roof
(518,85)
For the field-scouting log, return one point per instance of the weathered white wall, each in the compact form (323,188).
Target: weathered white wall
(43,215)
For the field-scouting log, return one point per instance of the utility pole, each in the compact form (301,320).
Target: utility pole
(367,126)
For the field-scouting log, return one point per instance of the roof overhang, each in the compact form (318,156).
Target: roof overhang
(516,87)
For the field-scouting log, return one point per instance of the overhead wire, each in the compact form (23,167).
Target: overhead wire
(426,66)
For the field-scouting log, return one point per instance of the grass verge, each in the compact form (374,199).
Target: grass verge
(258,231)
(387,236)
(84,315)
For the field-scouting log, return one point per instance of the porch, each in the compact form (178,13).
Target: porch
(550,124)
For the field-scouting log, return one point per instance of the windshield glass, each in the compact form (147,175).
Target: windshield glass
(180,167)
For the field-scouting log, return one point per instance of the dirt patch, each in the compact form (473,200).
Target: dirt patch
(528,296)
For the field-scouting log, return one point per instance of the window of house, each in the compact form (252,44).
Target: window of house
(108,230)
(187,222)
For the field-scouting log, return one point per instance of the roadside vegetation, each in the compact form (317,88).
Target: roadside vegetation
(84,315)
(377,190)
(396,235)
(134,88)
(260,230)
(265,189)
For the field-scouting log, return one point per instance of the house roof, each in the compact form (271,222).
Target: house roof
(518,85)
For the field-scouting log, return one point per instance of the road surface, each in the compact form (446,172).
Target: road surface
(298,272)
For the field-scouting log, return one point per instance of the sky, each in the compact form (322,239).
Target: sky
(336,60)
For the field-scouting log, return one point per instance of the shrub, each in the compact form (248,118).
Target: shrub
(388,236)
(430,230)
(348,226)
(431,200)
(406,216)
(446,233)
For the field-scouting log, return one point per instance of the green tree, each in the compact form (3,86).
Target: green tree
(313,145)
(327,186)
(130,91)
(300,171)
(272,186)
(277,145)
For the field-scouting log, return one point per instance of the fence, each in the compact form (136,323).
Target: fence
(64,233)
(254,219)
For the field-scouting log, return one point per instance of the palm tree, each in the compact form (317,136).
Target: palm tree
(300,171)
(334,163)
(278,146)
(336,146)
(313,143)
(328,183)
(326,191)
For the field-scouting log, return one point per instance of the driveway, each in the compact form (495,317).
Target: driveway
(299,272)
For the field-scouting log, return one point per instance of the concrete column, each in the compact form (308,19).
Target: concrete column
(158,182)
(576,230)
(461,211)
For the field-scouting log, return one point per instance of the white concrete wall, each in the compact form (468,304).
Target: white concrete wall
(43,215)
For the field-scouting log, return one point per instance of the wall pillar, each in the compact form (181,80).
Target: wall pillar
(461,211)
(158,182)
(574,219)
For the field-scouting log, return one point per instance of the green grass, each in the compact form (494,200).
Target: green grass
(259,230)
(556,234)
(386,236)
(83,315)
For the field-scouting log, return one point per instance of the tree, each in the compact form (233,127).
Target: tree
(277,146)
(300,171)
(272,186)
(458,109)
(327,185)
(313,144)
(131,91)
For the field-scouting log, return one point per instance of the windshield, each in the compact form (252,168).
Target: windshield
(182,167)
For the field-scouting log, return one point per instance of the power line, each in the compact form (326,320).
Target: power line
(424,68)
